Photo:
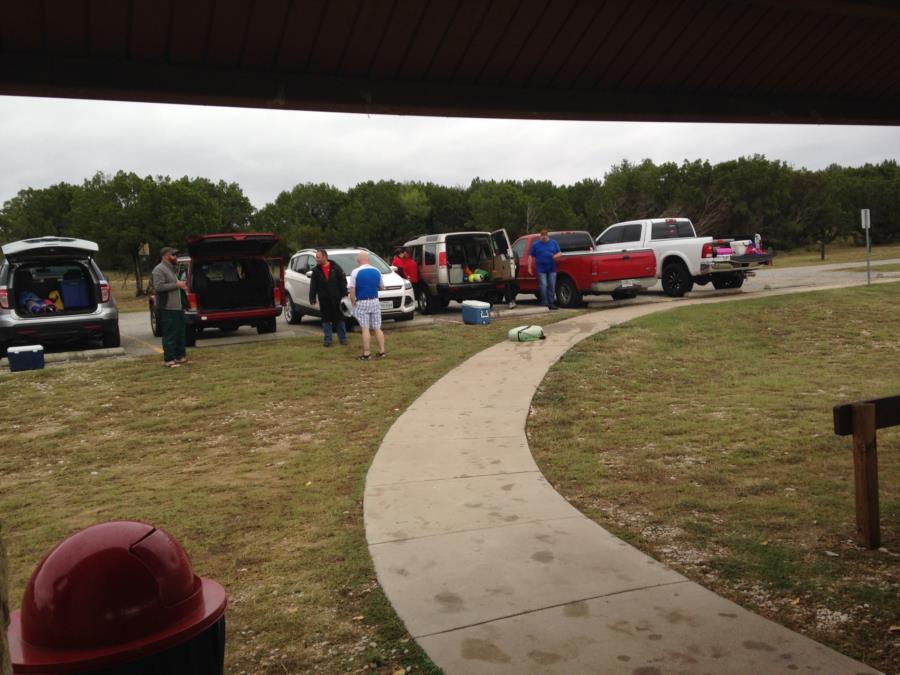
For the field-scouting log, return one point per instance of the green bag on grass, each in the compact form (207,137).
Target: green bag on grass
(526,334)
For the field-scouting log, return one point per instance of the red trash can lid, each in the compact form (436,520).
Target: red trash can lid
(107,595)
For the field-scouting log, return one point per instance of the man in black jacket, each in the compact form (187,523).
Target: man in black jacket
(329,284)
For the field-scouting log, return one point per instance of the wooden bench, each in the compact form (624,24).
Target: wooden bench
(860,419)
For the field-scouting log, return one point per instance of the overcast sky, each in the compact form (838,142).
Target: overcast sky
(46,141)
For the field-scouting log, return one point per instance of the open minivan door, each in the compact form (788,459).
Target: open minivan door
(276,267)
(503,248)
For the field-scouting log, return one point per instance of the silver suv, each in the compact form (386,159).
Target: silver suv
(51,290)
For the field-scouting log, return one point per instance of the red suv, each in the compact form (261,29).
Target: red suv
(231,283)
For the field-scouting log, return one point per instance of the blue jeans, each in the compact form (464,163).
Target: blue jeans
(341,331)
(547,283)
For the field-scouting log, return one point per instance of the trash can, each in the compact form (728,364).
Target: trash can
(119,598)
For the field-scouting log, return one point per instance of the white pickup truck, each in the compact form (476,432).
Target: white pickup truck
(684,259)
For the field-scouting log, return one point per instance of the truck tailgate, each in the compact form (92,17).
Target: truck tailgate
(634,264)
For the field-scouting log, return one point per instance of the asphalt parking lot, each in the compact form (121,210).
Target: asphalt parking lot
(138,340)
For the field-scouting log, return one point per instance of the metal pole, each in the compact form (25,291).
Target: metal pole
(866,224)
(868,259)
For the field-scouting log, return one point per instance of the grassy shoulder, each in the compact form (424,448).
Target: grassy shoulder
(254,457)
(125,291)
(704,437)
(837,253)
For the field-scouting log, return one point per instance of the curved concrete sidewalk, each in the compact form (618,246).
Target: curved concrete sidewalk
(492,571)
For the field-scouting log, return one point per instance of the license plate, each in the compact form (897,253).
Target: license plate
(387,304)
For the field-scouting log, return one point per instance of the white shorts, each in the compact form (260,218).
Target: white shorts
(368,313)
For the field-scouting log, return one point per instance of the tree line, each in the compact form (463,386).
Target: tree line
(127,214)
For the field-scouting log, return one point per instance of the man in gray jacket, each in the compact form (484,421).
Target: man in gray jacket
(168,289)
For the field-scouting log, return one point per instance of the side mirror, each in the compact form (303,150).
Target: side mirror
(309,275)
(394,268)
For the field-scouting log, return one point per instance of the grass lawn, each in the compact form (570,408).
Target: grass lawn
(704,436)
(254,457)
(837,253)
(123,289)
(876,269)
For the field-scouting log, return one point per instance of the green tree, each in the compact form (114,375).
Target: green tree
(304,216)
(373,216)
(40,212)
(449,209)
(496,205)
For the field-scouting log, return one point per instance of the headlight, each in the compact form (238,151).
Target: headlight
(407,285)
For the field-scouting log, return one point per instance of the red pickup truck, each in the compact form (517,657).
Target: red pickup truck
(581,269)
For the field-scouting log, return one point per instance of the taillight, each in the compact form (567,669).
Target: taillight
(104,292)
(442,259)
(192,300)
(4,297)
(277,295)
(707,251)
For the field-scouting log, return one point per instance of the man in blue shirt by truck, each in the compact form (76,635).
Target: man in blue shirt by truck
(545,251)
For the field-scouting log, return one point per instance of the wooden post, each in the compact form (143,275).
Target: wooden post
(5,665)
(865,470)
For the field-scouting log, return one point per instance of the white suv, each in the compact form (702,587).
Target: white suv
(397,299)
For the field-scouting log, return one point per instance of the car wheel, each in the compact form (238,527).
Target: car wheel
(723,281)
(675,280)
(291,312)
(267,326)
(111,338)
(190,336)
(567,294)
(154,322)
(424,301)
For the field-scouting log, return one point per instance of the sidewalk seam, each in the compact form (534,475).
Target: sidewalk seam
(483,528)
(559,604)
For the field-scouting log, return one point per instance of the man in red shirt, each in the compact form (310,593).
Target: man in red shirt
(405,265)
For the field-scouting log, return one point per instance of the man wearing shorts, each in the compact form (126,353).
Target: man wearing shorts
(364,283)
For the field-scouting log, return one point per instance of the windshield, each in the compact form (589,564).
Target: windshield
(347,262)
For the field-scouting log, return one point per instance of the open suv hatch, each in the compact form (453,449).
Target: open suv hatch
(51,291)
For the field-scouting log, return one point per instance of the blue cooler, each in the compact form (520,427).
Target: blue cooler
(74,293)
(30,357)
(475,312)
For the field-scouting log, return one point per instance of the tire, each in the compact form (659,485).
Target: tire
(424,301)
(3,348)
(622,294)
(723,281)
(675,280)
(567,294)
(267,326)
(291,313)
(190,336)
(154,322)
(111,338)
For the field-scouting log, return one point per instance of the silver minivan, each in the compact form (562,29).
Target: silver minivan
(51,290)
(450,266)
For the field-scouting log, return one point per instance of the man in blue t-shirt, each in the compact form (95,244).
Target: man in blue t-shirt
(544,252)
(364,283)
